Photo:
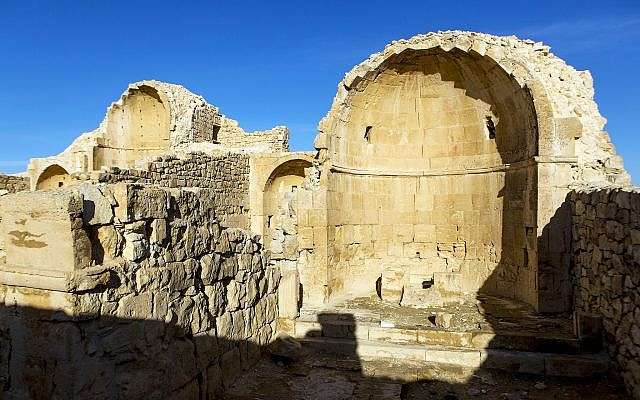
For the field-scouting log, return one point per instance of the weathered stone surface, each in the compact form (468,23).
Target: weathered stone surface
(289,293)
(160,118)
(441,171)
(13,184)
(285,347)
(97,208)
(43,232)
(160,304)
(89,279)
(606,269)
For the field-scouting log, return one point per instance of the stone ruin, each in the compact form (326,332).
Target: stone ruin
(463,207)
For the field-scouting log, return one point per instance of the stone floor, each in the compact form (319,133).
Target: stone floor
(321,373)
(481,313)
(309,379)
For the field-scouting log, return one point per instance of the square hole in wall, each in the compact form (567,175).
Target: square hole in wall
(491,127)
(367,133)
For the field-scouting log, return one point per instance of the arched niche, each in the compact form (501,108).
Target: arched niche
(433,180)
(137,128)
(435,110)
(280,207)
(53,177)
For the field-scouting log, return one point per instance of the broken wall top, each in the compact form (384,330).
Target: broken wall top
(174,121)
(569,123)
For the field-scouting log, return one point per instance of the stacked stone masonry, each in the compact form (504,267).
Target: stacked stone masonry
(442,174)
(12,184)
(150,119)
(227,175)
(606,245)
(274,140)
(429,175)
(163,301)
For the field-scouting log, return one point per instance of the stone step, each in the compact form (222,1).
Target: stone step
(415,358)
(524,341)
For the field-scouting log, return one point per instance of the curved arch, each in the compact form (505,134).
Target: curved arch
(279,207)
(431,146)
(53,177)
(292,162)
(480,46)
(433,110)
(137,127)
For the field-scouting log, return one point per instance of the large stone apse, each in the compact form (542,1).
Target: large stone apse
(433,181)
(463,213)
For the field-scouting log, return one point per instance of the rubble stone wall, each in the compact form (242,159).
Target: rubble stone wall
(13,184)
(174,304)
(232,136)
(606,245)
(227,175)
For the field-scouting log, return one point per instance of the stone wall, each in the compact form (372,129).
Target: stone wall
(568,118)
(164,302)
(232,136)
(227,175)
(467,234)
(484,136)
(13,184)
(206,124)
(431,178)
(606,246)
(153,118)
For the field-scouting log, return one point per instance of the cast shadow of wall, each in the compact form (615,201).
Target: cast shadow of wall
(48,355)
(45,355)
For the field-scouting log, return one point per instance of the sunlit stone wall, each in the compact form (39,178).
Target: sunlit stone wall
(124,291)
(432,179)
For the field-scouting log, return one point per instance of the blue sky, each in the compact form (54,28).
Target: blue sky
(266,63)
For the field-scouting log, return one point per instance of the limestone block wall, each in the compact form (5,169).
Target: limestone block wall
(173,304)
(568,119)
(42,239)
(274,140)
(431,178)
(606,250)
(13,184)
(153,118)
(226,174)
(313,234)
(501,117)
(149,119)
(206,124)
(468,234)
(271,174)
(282,190)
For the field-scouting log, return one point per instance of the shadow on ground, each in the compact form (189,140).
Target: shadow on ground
(45,355)
(317,374)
